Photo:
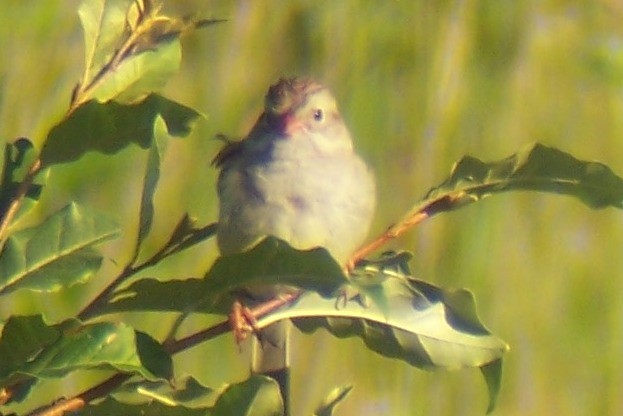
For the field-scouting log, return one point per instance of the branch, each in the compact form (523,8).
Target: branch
(107,386)
(411,219)
(175,244)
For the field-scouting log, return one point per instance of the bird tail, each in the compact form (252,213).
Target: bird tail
(271,356)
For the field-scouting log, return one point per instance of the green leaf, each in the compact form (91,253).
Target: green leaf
(19,156)
(104,26)
(535,168)
(55,254)
(131,50)
(492,373)
(72,346)
(426,326)
(271,262)
(152,175)
(275,262)
(22,337)
(157,296)
(186,392)
(334,398)
(111,406)
(140,74)
(108,128)
(424,331)
(259,395)
(153,358)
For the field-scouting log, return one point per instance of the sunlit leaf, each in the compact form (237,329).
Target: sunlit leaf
(424,332)
(257,396)
(131,51)
(186,392)
(110,127)
(53,351)
(536,168)
(426,326)
(55,254)
(152,175)
(104,26)
(140,74)
(70,346)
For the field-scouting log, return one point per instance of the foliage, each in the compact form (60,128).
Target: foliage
(131,51)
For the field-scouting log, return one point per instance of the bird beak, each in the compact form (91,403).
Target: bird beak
(290,125)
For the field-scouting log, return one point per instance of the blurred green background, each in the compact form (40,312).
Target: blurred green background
(420,84)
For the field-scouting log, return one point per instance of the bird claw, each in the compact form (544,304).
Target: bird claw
(242,322)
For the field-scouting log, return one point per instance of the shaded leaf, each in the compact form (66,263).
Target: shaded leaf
(153,357)
(21,338)
(272,262)
(111,406)
(55,254)
(157,296)
(334,398)
(19,156)
(110,127)
(492,373)
(259,395)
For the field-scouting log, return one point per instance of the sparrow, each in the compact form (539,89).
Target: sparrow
(296,177)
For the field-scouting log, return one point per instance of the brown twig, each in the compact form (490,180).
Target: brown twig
(392,232)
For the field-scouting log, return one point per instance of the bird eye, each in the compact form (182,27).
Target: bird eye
(318,115)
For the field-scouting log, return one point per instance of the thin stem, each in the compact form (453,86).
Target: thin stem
(22,190)
(173,246)
(392,232)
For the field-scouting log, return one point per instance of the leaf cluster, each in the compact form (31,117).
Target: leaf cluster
(131,50)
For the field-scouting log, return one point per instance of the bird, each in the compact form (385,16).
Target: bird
(297,177)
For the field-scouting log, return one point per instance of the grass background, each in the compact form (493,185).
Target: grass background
(420,84)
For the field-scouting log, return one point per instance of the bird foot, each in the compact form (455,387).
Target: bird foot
(242,322)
